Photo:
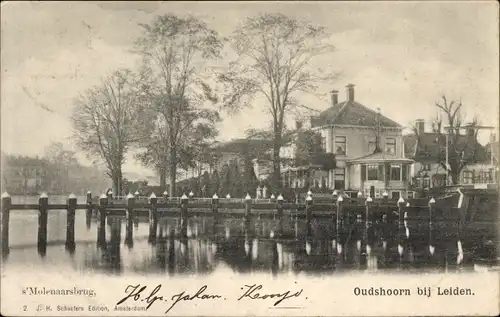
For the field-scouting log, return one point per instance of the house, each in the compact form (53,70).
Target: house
(366,147)
(241,152)
(23,174)
(304,160)
(428,150)
(492,150)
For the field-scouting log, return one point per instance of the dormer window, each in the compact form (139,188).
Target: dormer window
(390,146)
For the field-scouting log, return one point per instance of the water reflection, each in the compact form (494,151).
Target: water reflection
(176,246)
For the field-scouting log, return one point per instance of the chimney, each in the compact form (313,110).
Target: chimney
(335,97)
(420,123)
(350,92)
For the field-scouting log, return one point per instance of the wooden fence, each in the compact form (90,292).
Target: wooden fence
(392,219)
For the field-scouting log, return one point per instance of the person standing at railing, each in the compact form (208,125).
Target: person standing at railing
(204,191)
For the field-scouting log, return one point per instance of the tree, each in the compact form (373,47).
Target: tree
(205,184)
(462,149)
(215,182)
(225,180)
(274,61)
(61,162)
(174,51)
(307,144)
(199,148)
(105,120)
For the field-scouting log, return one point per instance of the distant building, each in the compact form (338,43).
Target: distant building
(427,150)
(23,175)
(239,151)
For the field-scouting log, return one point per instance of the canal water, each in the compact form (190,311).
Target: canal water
(267,246)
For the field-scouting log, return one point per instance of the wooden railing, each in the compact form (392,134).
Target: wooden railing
(341,211)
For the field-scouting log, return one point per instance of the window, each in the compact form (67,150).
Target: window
(405,172)
(395,172)
(372,144)
(390,146)
(468,177)
(485,176)
(372,172)
(340,145)
(323,143)
(339,178)
(411,194)
(426,182)
(395,195)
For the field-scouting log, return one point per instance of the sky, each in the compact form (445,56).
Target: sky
(401,56)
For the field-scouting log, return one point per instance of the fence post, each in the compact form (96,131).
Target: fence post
(70,223)
(89,210)
(369,225)
(432,247)
(340,224)
(113,248)
(385,196)
(129,216)
(184,215)
(359,229)
(385,230)
(401,228)
(43,205)
(153,218)
(101,224)
(215,204)
(248,206)
(309,203)
(279,207)
(460,225)
(6,203)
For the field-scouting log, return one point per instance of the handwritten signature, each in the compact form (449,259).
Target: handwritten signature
(139,293)
(251,293)
(135,292)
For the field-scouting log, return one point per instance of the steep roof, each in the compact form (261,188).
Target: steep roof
(430,146)
(243,145)
(351,113)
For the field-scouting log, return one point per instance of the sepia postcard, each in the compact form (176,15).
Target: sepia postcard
(250,158)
